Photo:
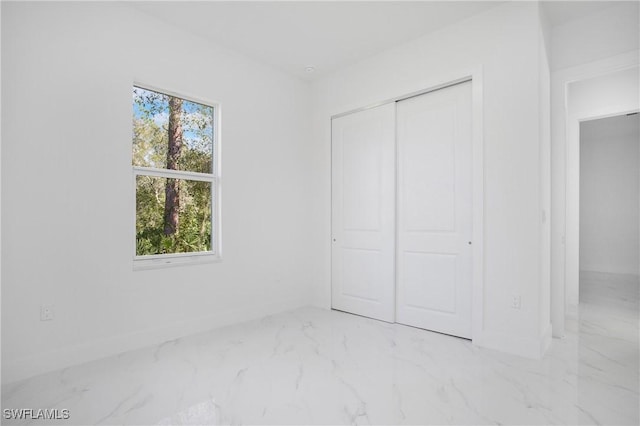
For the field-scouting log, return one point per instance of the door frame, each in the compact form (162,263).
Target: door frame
(475,76)
(565,141)
(574,166)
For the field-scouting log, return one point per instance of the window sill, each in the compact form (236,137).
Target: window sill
(170,261)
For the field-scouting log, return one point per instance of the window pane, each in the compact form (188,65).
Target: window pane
(171,133)
(180,225)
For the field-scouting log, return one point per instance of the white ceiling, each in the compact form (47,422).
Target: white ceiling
(292,35)
(560,12)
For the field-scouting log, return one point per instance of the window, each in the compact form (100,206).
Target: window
(175,177)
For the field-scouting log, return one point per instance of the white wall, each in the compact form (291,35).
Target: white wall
(605,33)
(1,7)
(67,73)
(544,52)
(605,94)
(610,195)
(504,42)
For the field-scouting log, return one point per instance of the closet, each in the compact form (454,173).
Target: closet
(402,211)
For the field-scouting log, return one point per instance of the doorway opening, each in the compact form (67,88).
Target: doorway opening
(598,90)
(609,211)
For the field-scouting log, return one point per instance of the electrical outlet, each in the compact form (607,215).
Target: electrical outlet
(516,302)
(46,312)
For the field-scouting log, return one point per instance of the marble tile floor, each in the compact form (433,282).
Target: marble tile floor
(313,366)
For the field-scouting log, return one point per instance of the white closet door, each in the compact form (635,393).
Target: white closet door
(363,213)
(434,211)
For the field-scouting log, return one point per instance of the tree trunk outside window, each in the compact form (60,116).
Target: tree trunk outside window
(172,190)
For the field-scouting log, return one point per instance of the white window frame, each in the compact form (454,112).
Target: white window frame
(177,259)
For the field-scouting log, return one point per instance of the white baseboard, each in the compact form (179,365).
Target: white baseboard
(527,347)
(545,341)
(25,367)
(571,309)
(607,269)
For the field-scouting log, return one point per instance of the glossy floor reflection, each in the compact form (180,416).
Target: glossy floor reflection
(312,366)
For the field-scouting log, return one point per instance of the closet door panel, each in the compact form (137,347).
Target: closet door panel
(363,213)
(434,211)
